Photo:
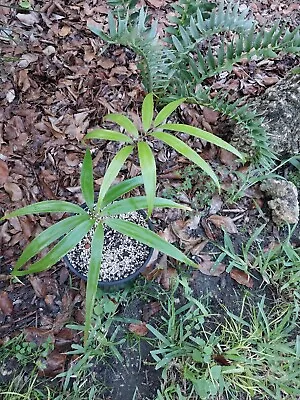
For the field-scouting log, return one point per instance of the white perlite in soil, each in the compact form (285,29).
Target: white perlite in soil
(121,256)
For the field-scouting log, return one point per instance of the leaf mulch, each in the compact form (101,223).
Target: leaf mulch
(57,81)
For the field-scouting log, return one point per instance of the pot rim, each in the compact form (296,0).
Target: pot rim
(122,281)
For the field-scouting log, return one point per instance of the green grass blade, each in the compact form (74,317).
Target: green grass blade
(186,151)
(148,168)
(121,188)
(147,112)
(149,238)
(108,134)
(200,133)
(167,111)
(47,206)
(48,236)
(124,122)
(112,172)
(93,277)
(87,180)
(138,203)
(59,250)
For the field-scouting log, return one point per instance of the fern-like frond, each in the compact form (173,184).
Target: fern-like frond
(221,19)
(265,44)
(156,61)
(252,124)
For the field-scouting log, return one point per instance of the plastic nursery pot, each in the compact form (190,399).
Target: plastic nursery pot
(111,257)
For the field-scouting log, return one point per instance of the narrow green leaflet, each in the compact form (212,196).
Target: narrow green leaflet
(209,137)
(186,151)
(59,250)
(149,238)
(107,134)
(112,171)
(93,277)
(87,181)
(123,122)
(47,206)
(121,188)
(147,112)
(49,236)
(138,203)
(148,168)
(167,111)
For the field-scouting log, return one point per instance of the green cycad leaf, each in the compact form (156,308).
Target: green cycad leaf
(149,238)
(107,134)
(147,112)
(167,111)
(59,250)
(47,206)
(209,137)
(186,151)
(138,203)
(49,236)
(112,171)
(124,122)
(148,168)
(87,181)
(93,277)
(121,188)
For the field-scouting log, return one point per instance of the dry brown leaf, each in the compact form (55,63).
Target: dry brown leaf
(241,277)
(210,115)
(39,286)
(53,365)
(216,204)
(3,172)
(38,335)
(208,267)
(13,190)
(166,278)
(139,329)
(228,158)
(6,304)
(23,80)
(150,309)
(223,222)
(220,359)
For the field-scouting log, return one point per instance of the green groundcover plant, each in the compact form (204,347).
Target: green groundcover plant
(69,231)
(157,128)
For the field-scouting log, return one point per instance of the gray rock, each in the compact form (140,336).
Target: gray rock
(284,200)
(280,109)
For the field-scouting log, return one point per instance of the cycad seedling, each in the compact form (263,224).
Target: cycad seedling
(157,128)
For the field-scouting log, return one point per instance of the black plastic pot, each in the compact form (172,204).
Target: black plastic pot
(115,285)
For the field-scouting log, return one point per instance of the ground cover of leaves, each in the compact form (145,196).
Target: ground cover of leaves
(57,82)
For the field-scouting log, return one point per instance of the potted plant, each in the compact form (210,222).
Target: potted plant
(141,138)
(92,220)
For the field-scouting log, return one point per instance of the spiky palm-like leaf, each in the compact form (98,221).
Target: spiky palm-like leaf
(244,116)
(221,19)
(156,62)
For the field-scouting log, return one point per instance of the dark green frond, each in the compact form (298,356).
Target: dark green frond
(156,62)
(261,153)
(221,19)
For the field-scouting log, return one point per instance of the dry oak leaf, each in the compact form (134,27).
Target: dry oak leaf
(13,190)
(53,365)
(3,172)
(139,329)
(6,304)
(208,267)
(241,277)
(167,277)
(223,222)
(38,336)
(150,309)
